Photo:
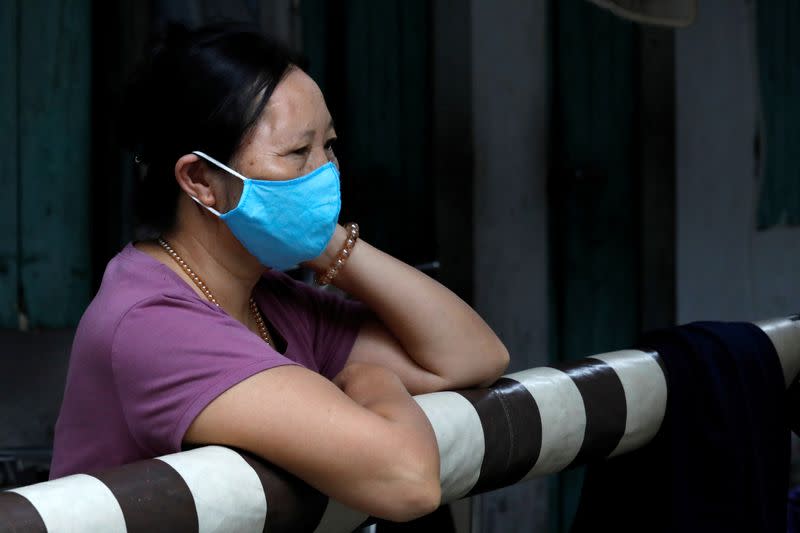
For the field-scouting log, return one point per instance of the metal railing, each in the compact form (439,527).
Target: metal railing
(528,424)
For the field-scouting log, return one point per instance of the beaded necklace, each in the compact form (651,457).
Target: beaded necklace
(262,327)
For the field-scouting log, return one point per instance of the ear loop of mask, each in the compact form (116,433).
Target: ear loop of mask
(223,167)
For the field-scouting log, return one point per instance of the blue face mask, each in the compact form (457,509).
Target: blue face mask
(284,222)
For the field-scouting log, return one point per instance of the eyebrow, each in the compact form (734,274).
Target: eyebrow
(310,133)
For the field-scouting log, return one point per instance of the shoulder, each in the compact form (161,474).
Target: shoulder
(143,311)
(132,276)
(131,280)
(174,322)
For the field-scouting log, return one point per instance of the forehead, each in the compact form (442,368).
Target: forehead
(295,107)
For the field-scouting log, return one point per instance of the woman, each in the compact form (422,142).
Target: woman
(197,338)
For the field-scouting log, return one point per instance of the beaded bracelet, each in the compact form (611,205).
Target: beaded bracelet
(341,257)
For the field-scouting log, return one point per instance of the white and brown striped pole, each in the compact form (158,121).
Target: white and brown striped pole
(530,423)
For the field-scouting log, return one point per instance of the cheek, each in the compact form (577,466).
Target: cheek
(233,191)
(263,163)
(282,168)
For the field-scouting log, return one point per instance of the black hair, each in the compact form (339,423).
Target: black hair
(197,89)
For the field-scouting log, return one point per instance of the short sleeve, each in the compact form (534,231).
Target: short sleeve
(334,322)
(171,357)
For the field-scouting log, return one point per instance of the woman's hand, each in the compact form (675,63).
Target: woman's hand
(328,255)
(423,332)
(369,384)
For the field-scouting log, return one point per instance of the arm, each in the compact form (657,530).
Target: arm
(424,333)
(370,447)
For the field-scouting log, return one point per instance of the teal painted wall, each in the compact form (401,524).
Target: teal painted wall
(594,195)
(9,175)
(45,117)
(778,45)
(371,60)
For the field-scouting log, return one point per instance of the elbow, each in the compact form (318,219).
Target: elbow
(415,490)
(497,361)
(425,500)
(503,358)
(415,500)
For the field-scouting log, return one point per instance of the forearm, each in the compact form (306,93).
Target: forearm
(378,390)
(436,328)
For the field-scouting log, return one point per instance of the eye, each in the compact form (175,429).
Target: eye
(329,144)
(302,151)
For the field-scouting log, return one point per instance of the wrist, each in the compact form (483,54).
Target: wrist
(328,255)
(334,245)
(342,255)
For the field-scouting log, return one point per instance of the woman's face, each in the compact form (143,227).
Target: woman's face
(293,136)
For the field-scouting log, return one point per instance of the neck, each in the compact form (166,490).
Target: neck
(229,272)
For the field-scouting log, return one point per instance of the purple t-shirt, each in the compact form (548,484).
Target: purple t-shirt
(149,354)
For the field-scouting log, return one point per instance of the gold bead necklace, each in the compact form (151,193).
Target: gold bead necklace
(262,327)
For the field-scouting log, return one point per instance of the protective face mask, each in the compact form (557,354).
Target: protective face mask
(284,222)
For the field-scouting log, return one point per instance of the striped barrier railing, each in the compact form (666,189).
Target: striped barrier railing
(528,424)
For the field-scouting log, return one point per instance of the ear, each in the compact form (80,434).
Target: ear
(192,176)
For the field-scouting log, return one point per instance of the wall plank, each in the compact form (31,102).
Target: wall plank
(509,87)
(656,72)
(597,205)
(9,174)
(452,147)
(726,268)
(54,159)
(315,45)
(594,204)
(778,45)
(383,124)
